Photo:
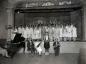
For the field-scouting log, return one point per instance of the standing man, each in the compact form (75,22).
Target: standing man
(56,46)
(46,46)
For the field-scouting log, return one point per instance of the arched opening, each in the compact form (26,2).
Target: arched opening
(34,14)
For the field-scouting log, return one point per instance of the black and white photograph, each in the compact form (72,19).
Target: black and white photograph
(42,32)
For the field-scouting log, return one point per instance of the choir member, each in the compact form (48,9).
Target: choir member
(20,29)
(13,32)
(74,33)
(61,33)
(25,35)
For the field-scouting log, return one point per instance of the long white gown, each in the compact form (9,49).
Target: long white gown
(74,32)
(39,49)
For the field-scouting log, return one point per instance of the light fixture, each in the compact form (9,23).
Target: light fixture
(18,12)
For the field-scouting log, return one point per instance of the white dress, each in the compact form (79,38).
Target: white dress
(39,49)
(69,31)
(64,32)
(31,33)
(28,33)
(61,33)
(13,33)
(25,33)
(22,31)
(74,32)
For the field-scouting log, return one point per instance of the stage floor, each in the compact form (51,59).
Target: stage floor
(50,59)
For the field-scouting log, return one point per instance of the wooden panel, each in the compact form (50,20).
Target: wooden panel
(19,19)
(47,18)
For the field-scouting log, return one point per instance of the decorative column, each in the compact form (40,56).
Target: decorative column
(10,22)
(84,23)
(83,47)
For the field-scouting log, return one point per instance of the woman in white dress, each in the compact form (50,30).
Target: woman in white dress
(38,47)
(25,36)
(74,33)
(20,29)
(61,33)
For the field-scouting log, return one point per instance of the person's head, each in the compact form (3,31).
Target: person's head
(21,26)
(57,39)
(54,40)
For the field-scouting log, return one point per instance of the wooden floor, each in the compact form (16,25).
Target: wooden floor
(31,59)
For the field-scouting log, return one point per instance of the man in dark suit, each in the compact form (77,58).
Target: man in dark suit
(46,46)
(56,46)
